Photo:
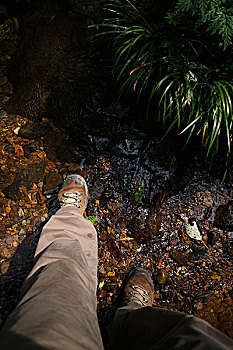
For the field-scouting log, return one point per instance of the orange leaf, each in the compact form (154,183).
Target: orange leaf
(34,186)
(8,209)
(41,155)
(23,189)
(19,151)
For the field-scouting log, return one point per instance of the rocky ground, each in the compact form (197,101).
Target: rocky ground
(188,276)
(139,190)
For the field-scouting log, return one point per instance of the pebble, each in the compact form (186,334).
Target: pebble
(21,212)
(15,238)
(4,267)
(40,184)
(9,240)
(16,130)
(14,213)
(5,253)
(22,232)
(162,276)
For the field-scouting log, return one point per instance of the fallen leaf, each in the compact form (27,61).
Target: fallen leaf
(41,155)
(101,284)
(4,267)
(111,274)
(8,209)
(93,219)
(125,239)
(19,151)
(34,186)
(23,189)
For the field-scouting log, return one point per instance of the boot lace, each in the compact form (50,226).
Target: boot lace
(137,294)
(71,198)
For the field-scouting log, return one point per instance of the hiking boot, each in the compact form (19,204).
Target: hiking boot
(139,288)
(74,191)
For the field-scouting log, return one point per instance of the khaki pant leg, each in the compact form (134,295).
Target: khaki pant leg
(152,328)
(58,305)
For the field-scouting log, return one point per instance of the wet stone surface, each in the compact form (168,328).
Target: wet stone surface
(26,176)
(32,130)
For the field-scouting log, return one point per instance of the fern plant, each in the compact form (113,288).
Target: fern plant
(216,14)
(166,55)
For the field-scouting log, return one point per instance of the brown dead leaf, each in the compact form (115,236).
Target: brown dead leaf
(19,151)
(41,155)
(8,209)
(34,186)
(4,267)
(23,190)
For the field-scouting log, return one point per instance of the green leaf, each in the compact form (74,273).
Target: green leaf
(93,219)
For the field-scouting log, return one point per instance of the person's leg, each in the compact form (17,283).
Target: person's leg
(137,326)
(58,305)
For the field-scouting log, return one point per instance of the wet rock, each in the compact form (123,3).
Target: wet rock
(56,147)
(162,276)
(52,179)
(224,216)
(182,255)
(33,130)
(128,148)
(212,237)
(28,149)
(22,232)
(26,176)
(159,157)
(73,167)
(99,187)
(199,251)
(14,212)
